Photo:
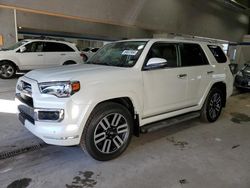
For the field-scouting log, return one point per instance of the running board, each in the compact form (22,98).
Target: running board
(168,122)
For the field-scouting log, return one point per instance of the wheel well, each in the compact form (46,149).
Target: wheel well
(222,86)
(11,62)
(126,102)
(69,62)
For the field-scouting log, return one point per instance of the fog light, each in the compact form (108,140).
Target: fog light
(49,115)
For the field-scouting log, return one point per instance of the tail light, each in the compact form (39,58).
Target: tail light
(84,57)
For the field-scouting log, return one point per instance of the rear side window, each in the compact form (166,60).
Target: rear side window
(192,55)
(94,49)
(218,53)
(57,47)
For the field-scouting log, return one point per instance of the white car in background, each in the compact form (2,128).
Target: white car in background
(35,54)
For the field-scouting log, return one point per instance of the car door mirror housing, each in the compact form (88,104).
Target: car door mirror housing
(155,63)
(22,49)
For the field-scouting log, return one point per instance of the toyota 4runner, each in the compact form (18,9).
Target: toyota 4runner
(126,88)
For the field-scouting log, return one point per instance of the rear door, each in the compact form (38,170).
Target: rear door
(199,72)
(56,53)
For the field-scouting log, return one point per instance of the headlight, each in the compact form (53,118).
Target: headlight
(59,89)
(239,74)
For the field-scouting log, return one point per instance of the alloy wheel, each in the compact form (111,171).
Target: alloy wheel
(215,105)
(6,71)
(111,133)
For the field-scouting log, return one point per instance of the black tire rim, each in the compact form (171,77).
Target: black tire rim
(6,71)
(214,106)
(111,133)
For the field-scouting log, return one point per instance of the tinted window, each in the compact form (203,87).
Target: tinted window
(56,47)
(247,68)
(86,49)
(94,49)
(192,55)
(34,47)
(166,51)
(218,53)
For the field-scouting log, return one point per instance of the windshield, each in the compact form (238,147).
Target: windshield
(120,54)
(18,44)
(247,69)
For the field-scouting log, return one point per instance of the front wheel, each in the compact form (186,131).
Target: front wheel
(107,132)
(7,70)
(212,107)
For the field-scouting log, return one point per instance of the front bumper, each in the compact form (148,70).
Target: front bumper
(66,132)
(242,82)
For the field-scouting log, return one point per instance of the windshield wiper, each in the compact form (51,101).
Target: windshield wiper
(95,63)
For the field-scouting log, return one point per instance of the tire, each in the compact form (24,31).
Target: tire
(69,63)
(212,107)
(107,132)
(7,70)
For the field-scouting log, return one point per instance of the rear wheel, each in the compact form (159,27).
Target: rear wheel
(212,107)
(7,70)
(107,132)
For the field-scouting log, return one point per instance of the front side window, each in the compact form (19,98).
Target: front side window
(218,53)
(192,55)
(34,47)
(165,51)
(120,54)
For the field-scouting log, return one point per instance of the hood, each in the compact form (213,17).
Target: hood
(4,52)
(70,72)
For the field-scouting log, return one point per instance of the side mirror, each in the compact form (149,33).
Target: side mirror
(155,63)
(22,49)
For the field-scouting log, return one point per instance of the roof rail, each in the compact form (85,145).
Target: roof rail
(42,37)
(197,38)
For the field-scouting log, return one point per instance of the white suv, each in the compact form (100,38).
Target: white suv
(33,54)
(124,88)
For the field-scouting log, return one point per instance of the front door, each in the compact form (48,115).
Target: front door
(164,88)
(32,57)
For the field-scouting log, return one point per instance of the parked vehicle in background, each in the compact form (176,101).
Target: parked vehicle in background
(33,54)
(88,53)
(242,78)
(124,88)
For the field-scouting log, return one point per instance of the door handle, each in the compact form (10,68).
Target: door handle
(40,55)
(210,72)
(181,76)
(62,54)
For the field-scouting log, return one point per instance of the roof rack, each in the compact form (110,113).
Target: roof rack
(197,38)
(42,37)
